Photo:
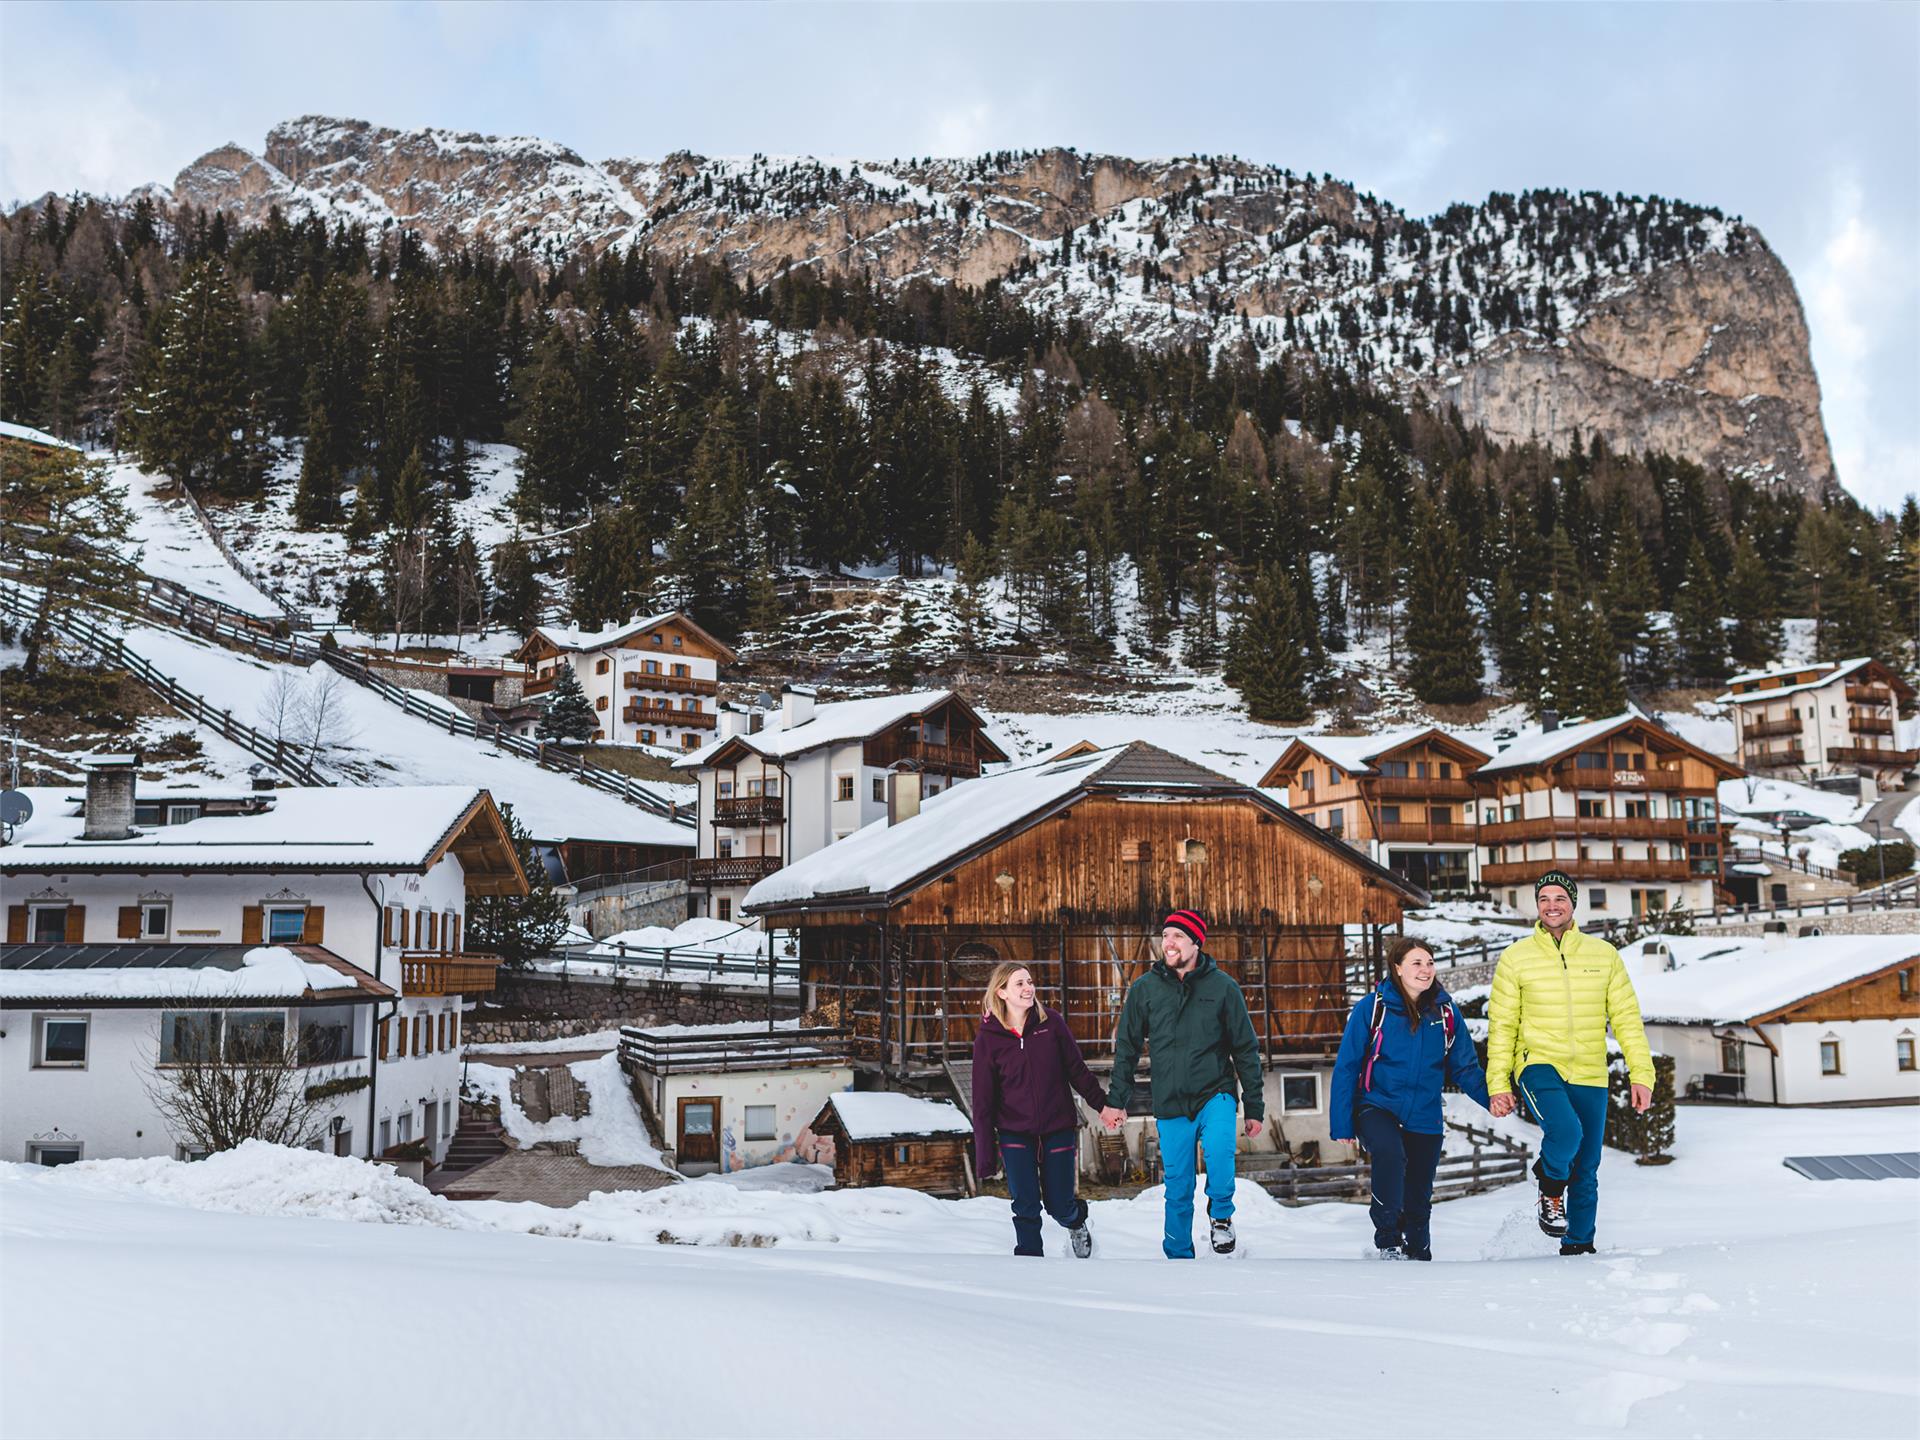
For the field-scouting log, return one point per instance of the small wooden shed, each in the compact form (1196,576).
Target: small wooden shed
(883,1137)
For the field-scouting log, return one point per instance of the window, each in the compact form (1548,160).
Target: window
(646,737)
(1830,1057)
(1510,813)
(676,642)
(256,1035)
(1389,814)
(1306,781)
(1513,899)
(682,671)
(1420,770)
(1394,769)
(1733,1056)
(726,847)
(690,741)
(403,1130)
(386,1136)
(43,1152)
(933,788)
(188,1035)
(60,1042)
(1596,899)
(690,706)
(1337,820)
(1446,769)
(599,702)
(1590,760)
(1193,852)
(1906,983)
(1299,1093)
(600,667)
(1903,1052)
(153,921)
(1639,810)
(1439,814)
(1592,809)
(760,1120)
(652,667)
(879,789)
(903,1154)
(182,814)
(1335,775)
(188,1154)
(843,787)
(654,638)
(49,924)
(725,908)
(284,924)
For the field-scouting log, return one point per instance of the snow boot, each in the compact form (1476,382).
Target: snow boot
(1576,1249)
(1220,1232)
(1390,1252)
(1419,1255)
(1081,1239)
(1552,1212)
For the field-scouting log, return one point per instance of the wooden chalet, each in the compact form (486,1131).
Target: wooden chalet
(882,1138)
(1406,797)
(1070,866)
(1625,806)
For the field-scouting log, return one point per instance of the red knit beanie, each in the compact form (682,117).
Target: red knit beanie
(1189,921)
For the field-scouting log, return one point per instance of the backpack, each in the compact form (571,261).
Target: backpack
(1374,1040)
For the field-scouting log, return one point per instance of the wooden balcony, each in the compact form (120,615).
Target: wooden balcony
(670,684)
(885,750)
(1792,757)
(1610,827)
(1872,755)
(1761,729)
(1527,871)
(1662,781)
(1427,832)
(425,973)
(1864,724)
(1869,695)
(734,869)
(667,715)
(750,810)
(536,685)
(1390,787)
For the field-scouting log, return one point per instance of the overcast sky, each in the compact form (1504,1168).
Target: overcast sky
(1804,119)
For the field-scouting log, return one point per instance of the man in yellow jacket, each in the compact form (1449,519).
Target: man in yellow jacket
(1554,994)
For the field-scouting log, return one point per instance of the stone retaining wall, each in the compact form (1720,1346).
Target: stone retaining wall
(630,907)
(548,1007)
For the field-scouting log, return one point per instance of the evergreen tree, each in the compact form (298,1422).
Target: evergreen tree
(1441,641)
(67,529)
(196,392)
(1592,685)
(516,586)
(612,568)
(1750,596)
(974,572)
(1629,591)
(1508,624)
(1699,635)
(1270,663)
(903,666)
(519,928)
(317,494)
(569,717)
(556,465)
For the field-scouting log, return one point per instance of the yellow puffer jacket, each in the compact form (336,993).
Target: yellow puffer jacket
(1552,1004)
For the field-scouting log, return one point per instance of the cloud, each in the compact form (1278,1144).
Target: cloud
(1856,283)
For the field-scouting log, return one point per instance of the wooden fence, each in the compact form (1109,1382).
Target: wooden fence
(1494,1161)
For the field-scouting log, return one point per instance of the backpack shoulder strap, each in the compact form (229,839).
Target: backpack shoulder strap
(1448,1020)
(1375,1034)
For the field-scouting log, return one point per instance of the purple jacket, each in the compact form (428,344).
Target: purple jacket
(1025,1083)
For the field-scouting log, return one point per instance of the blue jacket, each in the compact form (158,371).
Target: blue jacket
(1411,1068)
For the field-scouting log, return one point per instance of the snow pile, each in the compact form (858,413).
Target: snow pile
(262,1179)
(593,1040)
(702,933)
(610,1133)
(265,972)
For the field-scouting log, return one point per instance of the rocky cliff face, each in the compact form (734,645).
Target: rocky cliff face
(1657,325)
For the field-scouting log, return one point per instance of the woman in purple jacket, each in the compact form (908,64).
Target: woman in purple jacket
(1026,1067)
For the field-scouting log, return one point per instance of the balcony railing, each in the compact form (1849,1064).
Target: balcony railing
(1621,827)
(432,972)
(1776,759)
(677,684)
(1870,724)
(785,1049)
(1428,832)
(750,810)
(885,750)
(1527,871)
(1417,787)
(667,715)
(1870,755)
(1869,695)
(1574,778)
(1761,729)
(536,685)
(734,869)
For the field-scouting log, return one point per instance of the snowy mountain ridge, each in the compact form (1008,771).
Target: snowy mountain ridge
(1652,323)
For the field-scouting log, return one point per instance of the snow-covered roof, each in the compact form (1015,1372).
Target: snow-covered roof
(885,1114)
(217,974)
(837,722)
(398,827)
(1355,754)
(1536,747)
(10,431)
(881,858)
(1828,674)
(1736,981)
(574,637)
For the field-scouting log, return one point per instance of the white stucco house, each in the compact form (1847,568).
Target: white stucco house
(1809,1020)
(331,918)
(652,681)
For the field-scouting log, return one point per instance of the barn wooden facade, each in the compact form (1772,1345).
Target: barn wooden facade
(1069,867)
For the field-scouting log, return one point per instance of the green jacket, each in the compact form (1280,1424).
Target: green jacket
(1200,1034)
(1551,1005)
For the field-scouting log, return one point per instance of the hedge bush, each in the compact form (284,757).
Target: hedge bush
(1649,1137)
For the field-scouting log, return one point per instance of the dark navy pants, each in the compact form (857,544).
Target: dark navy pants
(1040,1167)
(1403,1165)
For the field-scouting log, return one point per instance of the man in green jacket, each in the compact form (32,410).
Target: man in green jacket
(1195,1019)
(1554,994)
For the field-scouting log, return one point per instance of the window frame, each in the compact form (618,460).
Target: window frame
(1319,1092)
(843,791)
(165,907)
(1838,1067)
(37,908)
(61,1017)
(267,914)
(772,1127)
(1904,1059)
(35,1148)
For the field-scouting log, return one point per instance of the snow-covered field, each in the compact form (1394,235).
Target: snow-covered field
(1731,1298)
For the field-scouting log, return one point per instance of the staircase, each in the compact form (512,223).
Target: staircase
(474,1143)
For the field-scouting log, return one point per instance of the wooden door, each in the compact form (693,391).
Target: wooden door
(699,1132)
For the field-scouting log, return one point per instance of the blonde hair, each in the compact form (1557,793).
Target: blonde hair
(994,1005)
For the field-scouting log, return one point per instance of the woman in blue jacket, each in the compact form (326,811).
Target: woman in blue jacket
(1402,1044)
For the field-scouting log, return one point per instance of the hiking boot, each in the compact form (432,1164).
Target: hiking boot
(1390,1252)
(1082,1240)
(1419,1254)
(1553,1215)
(1576,1248)
(1221,1234)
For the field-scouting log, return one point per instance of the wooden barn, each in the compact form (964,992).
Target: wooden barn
(883,1138)
(1069,866)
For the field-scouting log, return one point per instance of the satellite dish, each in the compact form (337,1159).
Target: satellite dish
(15,808)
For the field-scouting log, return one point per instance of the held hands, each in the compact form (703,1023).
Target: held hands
(1111,1117)
(1642,1098)
(1254,1127)
(1502,1105)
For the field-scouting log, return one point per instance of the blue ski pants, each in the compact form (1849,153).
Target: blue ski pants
(1216,1131)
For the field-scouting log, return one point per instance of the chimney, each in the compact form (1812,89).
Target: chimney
(109,806)
(796,705)
(903,795)
(1549,720)
(733,721)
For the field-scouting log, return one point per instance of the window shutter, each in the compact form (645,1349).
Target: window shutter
(16,924)
(76,924)
(401,1046)
(385,1039)
(129,922)
(433,931)
(457,927)
(386,925)
(315,929)
(251,919)
(419,929)
(455,1017)
(443,1029)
